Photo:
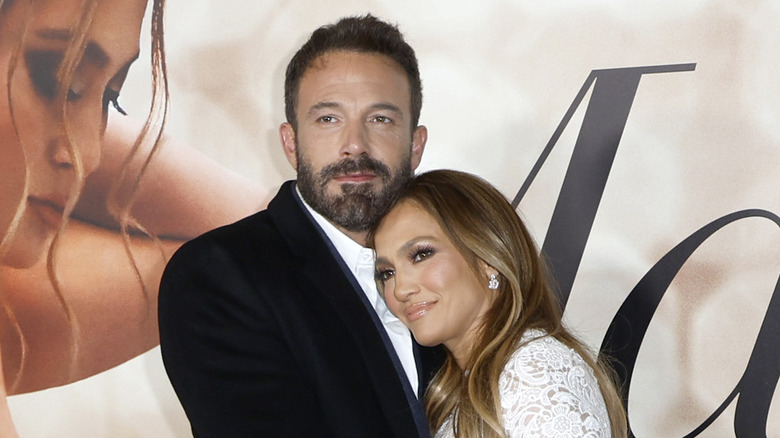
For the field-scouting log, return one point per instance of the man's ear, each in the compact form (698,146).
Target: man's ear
(287,135)
(419,138)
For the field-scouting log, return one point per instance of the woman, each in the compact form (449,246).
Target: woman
(456,264)
(91,205)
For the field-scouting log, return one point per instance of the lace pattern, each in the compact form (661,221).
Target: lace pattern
(548,390)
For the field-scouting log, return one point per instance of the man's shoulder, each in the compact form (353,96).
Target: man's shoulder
(273,236)
(249,239)
(258,229)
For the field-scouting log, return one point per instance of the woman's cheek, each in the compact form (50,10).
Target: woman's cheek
(12,177)
(392,303)
(12,165)
(88,139)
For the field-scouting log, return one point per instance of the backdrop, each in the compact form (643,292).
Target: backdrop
(639,140)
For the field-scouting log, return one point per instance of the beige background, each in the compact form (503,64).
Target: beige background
(498,77)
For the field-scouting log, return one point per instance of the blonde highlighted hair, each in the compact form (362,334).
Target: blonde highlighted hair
(122,192)
(483,225)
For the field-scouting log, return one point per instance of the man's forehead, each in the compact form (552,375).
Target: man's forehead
(347,58)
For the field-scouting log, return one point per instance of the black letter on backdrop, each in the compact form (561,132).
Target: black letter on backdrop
(628,329)
(586,177)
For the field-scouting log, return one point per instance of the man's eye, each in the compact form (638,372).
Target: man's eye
(381,119)
(327,119)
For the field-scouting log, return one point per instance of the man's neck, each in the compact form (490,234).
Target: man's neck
(357,236)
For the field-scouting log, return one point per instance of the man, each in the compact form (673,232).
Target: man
(272,326)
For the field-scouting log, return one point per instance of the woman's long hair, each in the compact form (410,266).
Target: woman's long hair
(120,198)
(482,224)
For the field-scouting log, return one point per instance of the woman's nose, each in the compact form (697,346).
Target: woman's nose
(405,287)
(63,156)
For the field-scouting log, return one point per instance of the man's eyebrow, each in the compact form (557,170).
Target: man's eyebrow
(377,106)
(387,106)
(322,105)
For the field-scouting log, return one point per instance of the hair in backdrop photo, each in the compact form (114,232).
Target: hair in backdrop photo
(638,142)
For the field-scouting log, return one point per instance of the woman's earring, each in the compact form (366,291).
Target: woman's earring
(493,283)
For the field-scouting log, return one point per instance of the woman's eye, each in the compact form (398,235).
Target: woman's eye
(42,67)
(422,254)
(384,275)
(112,96)
(73,96)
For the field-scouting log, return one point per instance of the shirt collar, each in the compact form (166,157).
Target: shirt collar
(353,253)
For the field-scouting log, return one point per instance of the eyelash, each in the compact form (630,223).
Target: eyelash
(112,96)
(421,253)
(383,275)
(417,255)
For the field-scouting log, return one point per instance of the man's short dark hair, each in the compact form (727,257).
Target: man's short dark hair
(366,34)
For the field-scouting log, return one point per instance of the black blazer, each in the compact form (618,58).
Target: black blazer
(264,334)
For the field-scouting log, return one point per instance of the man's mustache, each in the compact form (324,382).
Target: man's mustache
(349,165)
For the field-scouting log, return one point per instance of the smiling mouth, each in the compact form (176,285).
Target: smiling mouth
(418,310)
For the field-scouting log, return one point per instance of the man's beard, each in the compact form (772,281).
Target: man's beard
(358,207)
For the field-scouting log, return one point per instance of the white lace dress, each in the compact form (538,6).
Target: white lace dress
(548,390)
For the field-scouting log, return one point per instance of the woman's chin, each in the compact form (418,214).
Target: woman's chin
(19,261)
(23,251)
(426,341)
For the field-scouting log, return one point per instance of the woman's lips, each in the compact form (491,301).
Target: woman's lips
(418,310)
(48,210)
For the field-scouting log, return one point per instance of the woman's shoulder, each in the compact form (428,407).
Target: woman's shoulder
(545,378)
(541,357)
(536,343)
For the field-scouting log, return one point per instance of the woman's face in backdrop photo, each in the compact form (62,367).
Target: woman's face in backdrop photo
(38,171)
(427,282)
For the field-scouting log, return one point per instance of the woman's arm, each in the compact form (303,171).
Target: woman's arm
(115,318)
(182,194)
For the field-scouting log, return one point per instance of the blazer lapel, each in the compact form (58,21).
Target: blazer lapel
(325,270)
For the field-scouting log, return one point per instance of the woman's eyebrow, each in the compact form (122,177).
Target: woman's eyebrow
(52,33)
(405,248)
(93,53)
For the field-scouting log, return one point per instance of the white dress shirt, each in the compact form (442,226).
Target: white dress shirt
(360,261)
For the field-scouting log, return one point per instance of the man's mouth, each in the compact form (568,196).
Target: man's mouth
(354,178)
